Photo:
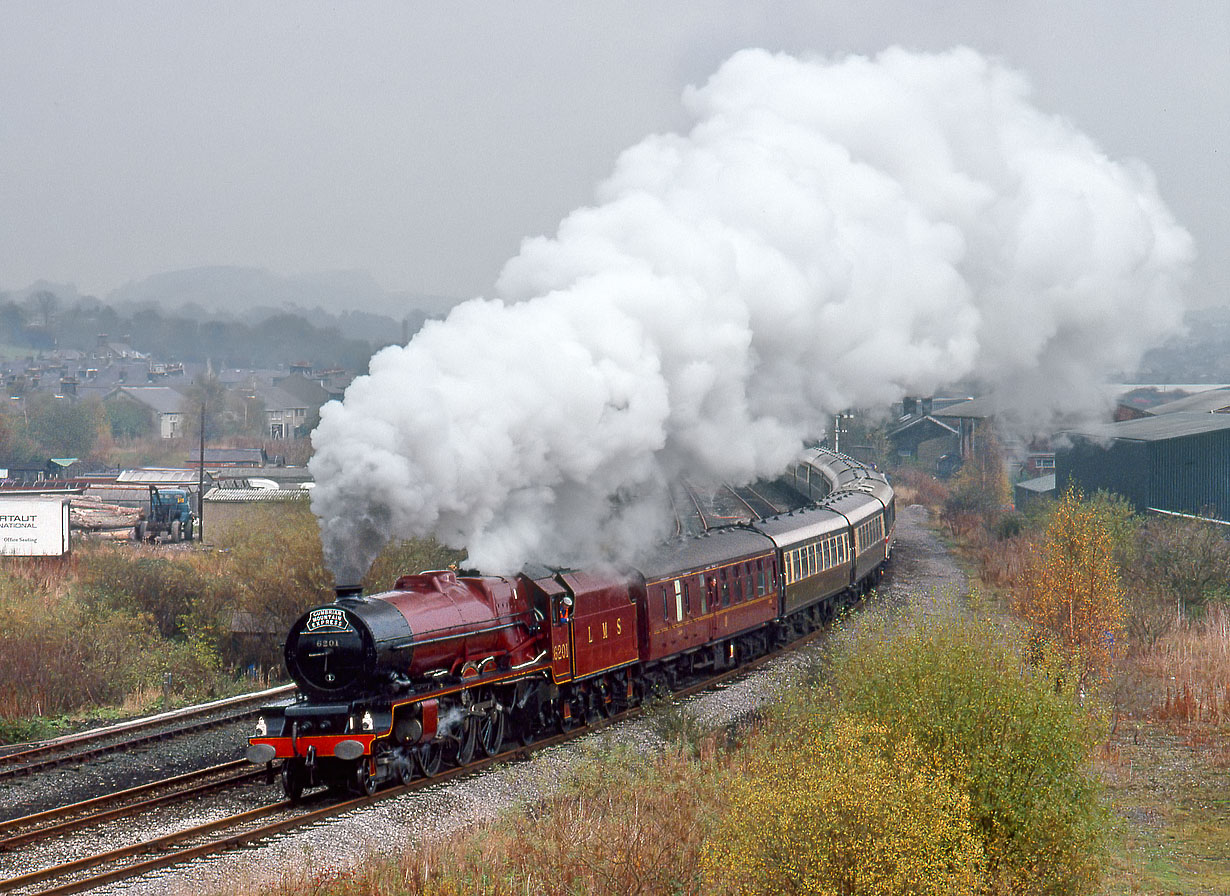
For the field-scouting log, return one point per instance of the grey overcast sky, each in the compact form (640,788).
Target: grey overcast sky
(421,142)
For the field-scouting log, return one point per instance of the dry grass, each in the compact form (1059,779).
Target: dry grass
(1190,671)
(619,827)
(915,486)
(1170,795)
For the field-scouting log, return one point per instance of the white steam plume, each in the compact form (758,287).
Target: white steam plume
(828,235)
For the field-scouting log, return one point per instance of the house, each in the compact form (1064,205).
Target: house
(286,415)
(916,426)
(307,390)
(163,402)
(108,351)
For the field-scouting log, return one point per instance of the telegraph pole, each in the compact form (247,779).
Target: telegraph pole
(200,483)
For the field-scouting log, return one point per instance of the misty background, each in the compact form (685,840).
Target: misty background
(671,230)
(419,144)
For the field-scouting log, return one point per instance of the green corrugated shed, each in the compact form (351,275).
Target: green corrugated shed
(1178,462)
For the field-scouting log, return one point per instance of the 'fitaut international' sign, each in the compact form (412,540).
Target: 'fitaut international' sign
(33,527)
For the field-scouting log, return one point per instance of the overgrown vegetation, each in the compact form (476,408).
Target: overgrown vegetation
(101,630)
(1165,673)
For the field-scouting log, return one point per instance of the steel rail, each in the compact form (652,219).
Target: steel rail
(66,819)
(742,500)
(63,750)
(700,514)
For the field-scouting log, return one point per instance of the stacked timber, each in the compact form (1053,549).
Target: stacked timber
(92,515)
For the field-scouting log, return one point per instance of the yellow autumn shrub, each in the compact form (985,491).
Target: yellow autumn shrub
(969,690)
(1071,592)
(848,810)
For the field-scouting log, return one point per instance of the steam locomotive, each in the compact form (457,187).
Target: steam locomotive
(444,668)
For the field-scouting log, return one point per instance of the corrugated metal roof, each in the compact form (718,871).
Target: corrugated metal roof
(975,408)
(254,457)
(1156,429)
(159,476)
(907,423)
(252,495)
(1209,400)
(1041,484)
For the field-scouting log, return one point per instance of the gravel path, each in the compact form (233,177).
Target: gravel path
(923,571)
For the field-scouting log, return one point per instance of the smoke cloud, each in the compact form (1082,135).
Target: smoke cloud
(829,234)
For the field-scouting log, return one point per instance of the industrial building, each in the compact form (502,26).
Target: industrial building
(1176,463)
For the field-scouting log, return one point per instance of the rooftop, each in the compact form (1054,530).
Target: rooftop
(1157,429)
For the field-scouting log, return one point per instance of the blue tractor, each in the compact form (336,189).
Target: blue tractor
(169,515)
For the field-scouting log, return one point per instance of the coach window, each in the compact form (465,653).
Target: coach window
(678,600)
(687,599)
(666,605)
(725,590)
(704,597)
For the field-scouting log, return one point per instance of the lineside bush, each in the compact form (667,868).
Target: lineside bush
(961,688)
(847,808)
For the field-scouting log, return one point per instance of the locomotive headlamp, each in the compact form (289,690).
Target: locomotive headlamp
(368,724)
(262,730)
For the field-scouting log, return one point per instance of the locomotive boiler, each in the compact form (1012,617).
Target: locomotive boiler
(429,624)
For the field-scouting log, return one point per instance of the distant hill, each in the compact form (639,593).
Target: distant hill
(236,291)
(1202,356)
(351,301)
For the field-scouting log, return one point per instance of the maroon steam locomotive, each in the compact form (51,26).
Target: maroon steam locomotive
(445,667)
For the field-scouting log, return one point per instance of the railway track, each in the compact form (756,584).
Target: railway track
(57,822)
(93,870)
(757,504)
(76,748)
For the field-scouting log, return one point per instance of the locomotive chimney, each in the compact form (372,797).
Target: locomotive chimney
(354,590)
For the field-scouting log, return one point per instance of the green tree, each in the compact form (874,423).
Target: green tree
(245,414)
(207,392)
(46,303)
(12,323)
(980,491)
(129,419)
(63,428)
(1178,567)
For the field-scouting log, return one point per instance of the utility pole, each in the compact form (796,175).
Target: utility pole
(200,483)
